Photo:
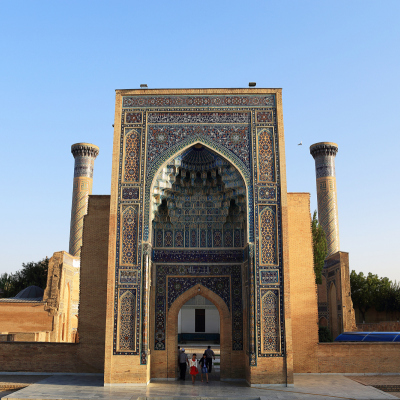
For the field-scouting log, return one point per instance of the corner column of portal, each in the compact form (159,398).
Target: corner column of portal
(84,154)
(324,155)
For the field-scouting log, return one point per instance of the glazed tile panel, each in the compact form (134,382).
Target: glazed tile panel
(267,100)
(233,138)
(225,281)
(243,130)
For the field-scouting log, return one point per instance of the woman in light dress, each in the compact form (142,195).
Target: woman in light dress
(193,370)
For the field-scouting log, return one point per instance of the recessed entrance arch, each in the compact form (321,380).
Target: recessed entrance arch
(226,331)
(199,236)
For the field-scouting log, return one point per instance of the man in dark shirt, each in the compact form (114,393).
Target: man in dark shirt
(183,361)
(209,356)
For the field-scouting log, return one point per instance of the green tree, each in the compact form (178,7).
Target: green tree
(372,291)
(320,248)
(324,334)
(32,273)
(5,284)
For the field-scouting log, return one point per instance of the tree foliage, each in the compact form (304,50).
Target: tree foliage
(371,291)
(324,334)
(32,273)
(320,248)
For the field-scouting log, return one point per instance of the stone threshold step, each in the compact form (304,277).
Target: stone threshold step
(387,388)
(196,398)
(13,386)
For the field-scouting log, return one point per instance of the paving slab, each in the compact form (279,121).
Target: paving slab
(386,383)
(86,387)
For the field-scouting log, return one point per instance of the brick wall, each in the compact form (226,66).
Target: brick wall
(372,316)
(93,287)
(358,357)
(42,357)
(24,317)
(384,326)
(88,355)
(303,290)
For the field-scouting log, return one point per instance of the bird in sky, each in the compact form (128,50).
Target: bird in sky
(300,143)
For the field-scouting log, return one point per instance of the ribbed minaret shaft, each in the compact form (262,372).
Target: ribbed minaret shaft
(324,154)
(84,154)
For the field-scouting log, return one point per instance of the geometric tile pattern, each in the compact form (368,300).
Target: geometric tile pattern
(266,100)
(268,236)
(269,277)
(327,212)
(127,276)
(130,193)
(129,235)
(133,118)
(267,193)
(198,118)
(266,155)
(203,256)
(324,154)
(81,190)
(84,155)
(132,150)
(127,318)
(264,116)
(270,321)
(232,137)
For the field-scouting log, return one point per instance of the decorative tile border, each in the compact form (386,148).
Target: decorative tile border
(206,256)
(266,100)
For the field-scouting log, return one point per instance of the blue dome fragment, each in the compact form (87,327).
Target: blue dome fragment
(31,292)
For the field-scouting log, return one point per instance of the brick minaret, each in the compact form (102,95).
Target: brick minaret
(84,154)
(324,155)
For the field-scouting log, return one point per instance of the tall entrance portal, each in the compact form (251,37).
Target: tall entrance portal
(198,207)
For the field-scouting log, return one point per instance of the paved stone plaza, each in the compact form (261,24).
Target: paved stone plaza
(81,386)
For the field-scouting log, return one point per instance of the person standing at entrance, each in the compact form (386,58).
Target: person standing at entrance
(209,356)
(183,361)
(203,364)
(193,367)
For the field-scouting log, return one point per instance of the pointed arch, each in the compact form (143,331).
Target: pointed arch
(225,326)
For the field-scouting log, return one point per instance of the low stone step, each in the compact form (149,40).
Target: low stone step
(196,398)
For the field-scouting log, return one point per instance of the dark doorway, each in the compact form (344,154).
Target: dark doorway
(200,320)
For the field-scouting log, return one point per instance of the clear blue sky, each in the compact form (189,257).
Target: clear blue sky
(338,63)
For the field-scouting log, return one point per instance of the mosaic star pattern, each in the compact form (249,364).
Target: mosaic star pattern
(132,151)
(129,236)
(130,193)
(266,155)
(269,277)
(133,118)
(127,340)
(270,321)
(268,236)
(264,116)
